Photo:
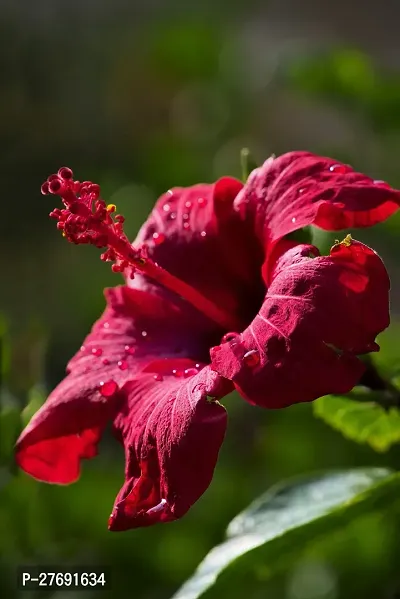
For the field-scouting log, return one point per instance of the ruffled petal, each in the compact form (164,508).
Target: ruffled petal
(172,432)
(195,234)
(136,328)
(298,189)
(320,312)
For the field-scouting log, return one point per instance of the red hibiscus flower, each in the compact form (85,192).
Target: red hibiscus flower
(216,298)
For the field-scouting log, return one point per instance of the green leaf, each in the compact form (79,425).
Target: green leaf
(361,421)
(387,360)
(278,526)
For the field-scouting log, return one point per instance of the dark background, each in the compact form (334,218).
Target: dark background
(141,96)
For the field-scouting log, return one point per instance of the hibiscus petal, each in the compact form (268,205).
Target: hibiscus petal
(299,189)
(195,234)
(172,434)
(136,328)
(320,312)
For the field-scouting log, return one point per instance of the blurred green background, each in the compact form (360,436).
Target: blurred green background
(141,96)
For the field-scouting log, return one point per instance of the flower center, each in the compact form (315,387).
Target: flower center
(86,218)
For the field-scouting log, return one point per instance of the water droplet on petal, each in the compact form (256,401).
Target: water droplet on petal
(166,207)
(144,333)
(171,216)
(170,193)
(122,364)
(97,351)
(186,225)
(130,350)
(190,372)
(106,325)
(158,377)
(106,362)
(188,204)
(202,202)
(83,348)
(186,216)
(203,233)
(157,508)
(111,520)
(215,349)
(302,190)
(158,238)
(338,169)
(108,388)
(177,373)
(229,337)
(252,358)
(293,219)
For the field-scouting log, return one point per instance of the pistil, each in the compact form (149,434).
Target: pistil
(87,219)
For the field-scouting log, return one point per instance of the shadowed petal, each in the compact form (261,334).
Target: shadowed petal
(195,234)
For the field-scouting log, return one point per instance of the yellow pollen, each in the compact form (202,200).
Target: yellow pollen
(347,241)
(63,233)
(111,208)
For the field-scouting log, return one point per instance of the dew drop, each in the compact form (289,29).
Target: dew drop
(338,168)
(122,364)
(158,377)
(171,216)
(170,193)
(106,362)
(97,351)
(83,348)
(197,366)
(166,207)
(302,190)
(158,238)
(186,216)
(177,373)
(188,204)
(111,520)
(144,333)
(201,202)
(229,337)
(190,372)
(252,358)
(186,225)
(157,508)
(130,350)
(108,388)
(293,219)
(203,233)
(106,325)
(215,349)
